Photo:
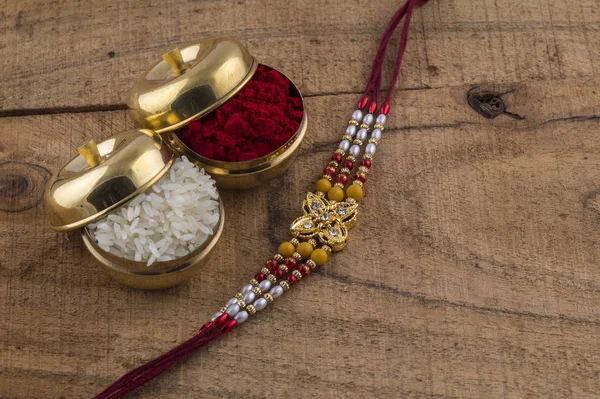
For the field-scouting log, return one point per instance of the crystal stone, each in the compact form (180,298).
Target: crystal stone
(307,225)
(315,205)
(325,216)
(333,232)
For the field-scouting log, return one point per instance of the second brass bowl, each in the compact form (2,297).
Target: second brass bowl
(160,274)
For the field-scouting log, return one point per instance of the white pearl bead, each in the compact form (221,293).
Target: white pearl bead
(357,115)
(351,130)
(246,288)
(370,149)
(241,317)
(344,145)
(231,302)
(362,134)
(376,134)
(233,309)
(276,291)
(260,304)
(216,315)
(354,150)
(264,285)
(381,118)
(249,297)
(368,119)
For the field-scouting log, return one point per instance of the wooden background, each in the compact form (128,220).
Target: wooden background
(474,270)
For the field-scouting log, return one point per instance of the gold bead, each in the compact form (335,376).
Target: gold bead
(223,309)
(364,126)
(272,278)
(239,295)
(363,169)
(278,258)
(284,285)
(368,156)
(360,175)
(296,255)
(358,142)
(311,263)
(333,164)
(340,151)
(254,282)
(350,200)
(295,242)
(257,291)
(353,122)
(340,185)
(358,183)
(379,126)
(283,268)
(347,137)
(286,249)
(297,274)
(345,171)
(304,250)
(269,297)
(355,191)
(241,303)
(312,242)
(326,248)
(319,256)
(373,141)
(251,309)
(326,177)
(351,158)
(265,271)
(336,194)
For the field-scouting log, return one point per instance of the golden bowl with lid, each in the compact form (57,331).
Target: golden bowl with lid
(107,176)
(190,82)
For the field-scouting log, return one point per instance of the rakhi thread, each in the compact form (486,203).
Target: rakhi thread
(323,227)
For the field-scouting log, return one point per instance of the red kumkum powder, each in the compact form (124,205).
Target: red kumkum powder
(258,120)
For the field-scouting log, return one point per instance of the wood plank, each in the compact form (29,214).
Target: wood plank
(472,271)
(85,55)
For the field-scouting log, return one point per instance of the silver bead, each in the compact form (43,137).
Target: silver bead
(216,315)
(276,291)
(246,288)
(354,150)
(260,304)
(362,134)
(264,285)
(381,118)
(344,145)
(230,302)
(351,130)
(233,309)
(357,115)
(249,297)
(241,317)
(368,119)
(376,134)
(370,149)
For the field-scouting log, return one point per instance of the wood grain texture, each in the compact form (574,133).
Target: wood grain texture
(472,271)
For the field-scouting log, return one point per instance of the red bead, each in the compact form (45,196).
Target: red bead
(366,163)
(304,269)
(348,165)
(228,326)
(329,171)
(337,158)
(278,273)
(291,280)
(260,277)
(385,108)
(204,327)
(343,179)
(290,263)
(372,107)
(221,319)
(360,178)
(272,265)
(363,101)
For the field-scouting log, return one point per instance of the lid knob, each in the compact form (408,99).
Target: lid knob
(89,152)
(175,61)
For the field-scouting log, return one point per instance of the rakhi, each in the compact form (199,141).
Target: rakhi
(327,215)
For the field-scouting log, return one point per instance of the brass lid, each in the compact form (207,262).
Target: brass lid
(189,82)
(105,176)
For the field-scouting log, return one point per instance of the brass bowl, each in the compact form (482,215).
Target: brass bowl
(248,174)
(160,274)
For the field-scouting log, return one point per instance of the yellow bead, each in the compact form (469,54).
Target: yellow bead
(286,249)
(304,249)
(319,256)
(354,191)
(336,194)
(323,186)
